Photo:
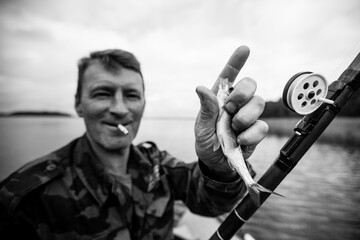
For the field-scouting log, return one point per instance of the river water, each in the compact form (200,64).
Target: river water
(322,193)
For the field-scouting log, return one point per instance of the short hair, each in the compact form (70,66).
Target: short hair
(111,59)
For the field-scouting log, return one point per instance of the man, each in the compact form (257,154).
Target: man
(100,186)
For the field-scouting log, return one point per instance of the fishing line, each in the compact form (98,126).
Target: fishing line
(349,56)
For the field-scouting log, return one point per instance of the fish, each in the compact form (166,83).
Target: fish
(231,148)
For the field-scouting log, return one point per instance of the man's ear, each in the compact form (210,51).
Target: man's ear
(78,107)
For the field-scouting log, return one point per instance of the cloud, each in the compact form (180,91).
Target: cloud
(181,44)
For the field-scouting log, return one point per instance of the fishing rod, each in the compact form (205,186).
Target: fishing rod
(299,95)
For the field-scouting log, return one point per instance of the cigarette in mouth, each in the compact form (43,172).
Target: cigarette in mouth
(123,129)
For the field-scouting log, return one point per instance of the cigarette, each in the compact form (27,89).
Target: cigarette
(123,129)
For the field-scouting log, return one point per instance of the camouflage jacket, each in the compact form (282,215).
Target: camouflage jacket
(69,195)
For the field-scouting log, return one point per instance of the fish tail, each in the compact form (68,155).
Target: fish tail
(255,190)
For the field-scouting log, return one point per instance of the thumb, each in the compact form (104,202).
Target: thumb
(209,111)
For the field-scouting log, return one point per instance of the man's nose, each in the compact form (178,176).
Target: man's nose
(118,106)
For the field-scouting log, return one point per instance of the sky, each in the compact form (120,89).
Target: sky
(181,44)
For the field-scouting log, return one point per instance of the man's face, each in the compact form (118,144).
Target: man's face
(108,99)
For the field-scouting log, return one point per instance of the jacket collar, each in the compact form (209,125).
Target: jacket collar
(100,183)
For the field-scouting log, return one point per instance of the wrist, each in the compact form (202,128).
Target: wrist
(221,172)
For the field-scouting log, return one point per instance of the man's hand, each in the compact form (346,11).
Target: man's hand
(242,104)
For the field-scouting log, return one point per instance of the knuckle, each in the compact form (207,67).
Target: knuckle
(259,102)
(240,122)
(263,127)
(249,80)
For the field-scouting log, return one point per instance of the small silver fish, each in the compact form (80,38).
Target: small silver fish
(230,147)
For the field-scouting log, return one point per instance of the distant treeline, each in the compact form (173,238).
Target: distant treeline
(35,113)
(278,109)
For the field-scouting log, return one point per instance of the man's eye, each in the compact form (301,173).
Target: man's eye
(133,96)
(101,94)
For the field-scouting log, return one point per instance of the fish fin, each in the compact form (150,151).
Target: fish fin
(230,165)
(254,191)
(219,142)
(216,145)
(222,144)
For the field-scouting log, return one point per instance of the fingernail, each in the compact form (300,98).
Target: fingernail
(230,107)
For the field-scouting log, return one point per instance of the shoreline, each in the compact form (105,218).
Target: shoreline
(342,130)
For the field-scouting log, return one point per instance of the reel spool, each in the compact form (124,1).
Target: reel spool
(305,92)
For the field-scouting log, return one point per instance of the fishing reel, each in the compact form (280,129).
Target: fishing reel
(305,92)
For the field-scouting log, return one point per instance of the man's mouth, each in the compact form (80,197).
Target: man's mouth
(122,127)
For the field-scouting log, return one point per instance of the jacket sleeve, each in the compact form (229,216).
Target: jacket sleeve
(191,183)
(12,229)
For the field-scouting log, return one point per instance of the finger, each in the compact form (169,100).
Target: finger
(233,66)
(208,100)
(209,111)
(254,134)
(242,93)
(248,114)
